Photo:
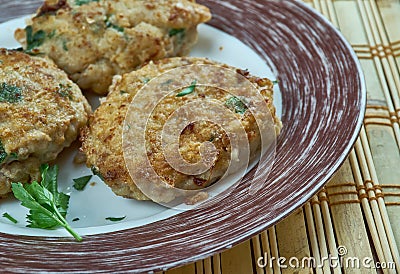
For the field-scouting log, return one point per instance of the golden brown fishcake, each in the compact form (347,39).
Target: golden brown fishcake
(94,40)
(102,138)
(41,113)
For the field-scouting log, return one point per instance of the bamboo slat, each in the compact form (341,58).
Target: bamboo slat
(348,221)
(295,246)
(323,248)
(266,251)
(237,259)
(187,269)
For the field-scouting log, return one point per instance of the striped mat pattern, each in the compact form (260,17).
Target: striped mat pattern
(356,217)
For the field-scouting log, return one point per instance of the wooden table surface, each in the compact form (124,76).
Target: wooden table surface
(360,207)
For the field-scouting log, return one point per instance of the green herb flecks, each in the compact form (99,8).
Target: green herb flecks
(10,218)
(13,156)
(51,34)
(10,93)
(178,33)
(64,45)
(117,28)
(80,183)
(212,138)
(34,40)
(65,91)
(47,207)
(275,82)
(84,2)
(109,24)
(188,90)
(3,153)
(173,32)
(235,104)
(115,219)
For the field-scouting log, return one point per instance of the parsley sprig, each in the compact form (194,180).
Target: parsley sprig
(48,207)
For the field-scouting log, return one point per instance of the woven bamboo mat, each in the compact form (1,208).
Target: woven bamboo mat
(356,217)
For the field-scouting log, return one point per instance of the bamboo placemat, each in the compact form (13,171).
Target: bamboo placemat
(356,217)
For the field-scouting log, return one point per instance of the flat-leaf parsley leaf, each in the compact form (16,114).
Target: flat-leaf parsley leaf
(47,207)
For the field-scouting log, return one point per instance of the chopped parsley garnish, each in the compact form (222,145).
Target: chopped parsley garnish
(3,153)
(64,45)
(10,218)
(174,32)
(34,40)
(212,138)
(84,2)
(188,90)
(275,82)
(51,34)
(235,104)
(117,28)
(13,156)
(109,24)
(64,90)
(80,183)
(10,93)
(115,219)
(47,207)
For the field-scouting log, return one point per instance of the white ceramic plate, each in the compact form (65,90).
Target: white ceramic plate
(88,205)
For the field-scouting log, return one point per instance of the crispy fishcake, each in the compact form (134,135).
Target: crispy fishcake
(41,113)
(94,40)
(102,138)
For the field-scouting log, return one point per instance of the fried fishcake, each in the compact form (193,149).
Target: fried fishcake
(102,138)
(41,113)
(94,40)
